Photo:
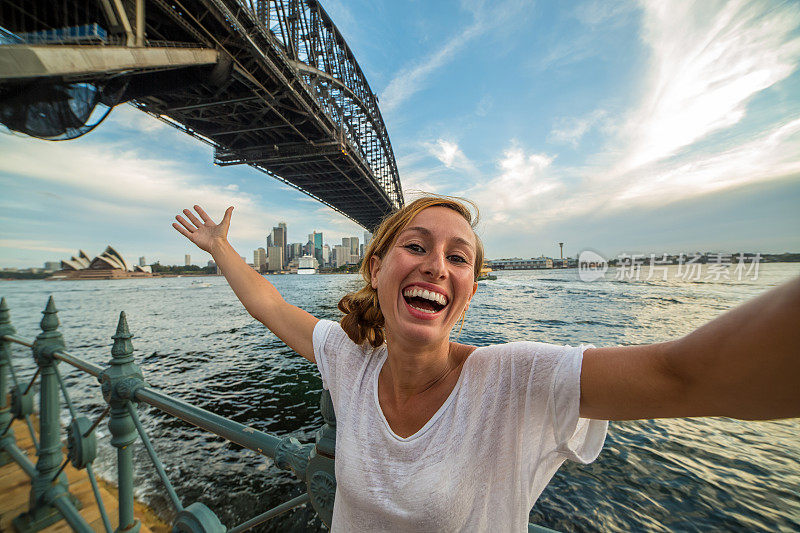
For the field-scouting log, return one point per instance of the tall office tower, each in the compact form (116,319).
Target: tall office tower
(295,250)
(282,225)
(354,250)
(362,250)
(142,261)
(367,238)
(187,260)
(275,259)
(260,260)
(318,246)
(269,240)
(326,253)
(346,242)
(341,255)
(279,240)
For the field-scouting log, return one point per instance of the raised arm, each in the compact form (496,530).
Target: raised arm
(744,364)
(291,324)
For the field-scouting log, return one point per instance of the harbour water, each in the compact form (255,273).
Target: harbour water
(196,342)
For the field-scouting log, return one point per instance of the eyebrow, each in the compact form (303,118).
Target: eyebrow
(426,231)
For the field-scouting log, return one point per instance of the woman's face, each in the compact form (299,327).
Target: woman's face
(426,279)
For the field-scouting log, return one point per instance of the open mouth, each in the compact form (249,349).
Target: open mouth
(424,300)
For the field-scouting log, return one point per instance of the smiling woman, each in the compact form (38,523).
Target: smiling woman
(433,435)
(364,320)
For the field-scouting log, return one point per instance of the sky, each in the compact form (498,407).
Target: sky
(621,127)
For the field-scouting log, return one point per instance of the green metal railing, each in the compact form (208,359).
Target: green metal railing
(124,388)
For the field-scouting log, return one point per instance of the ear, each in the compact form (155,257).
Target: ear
(474,290)
(374,268)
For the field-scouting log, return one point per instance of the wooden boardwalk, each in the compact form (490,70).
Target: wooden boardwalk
(15,486)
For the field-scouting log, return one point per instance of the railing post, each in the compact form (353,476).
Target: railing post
(119,383)
(321,476)
(46,486)
(5,369)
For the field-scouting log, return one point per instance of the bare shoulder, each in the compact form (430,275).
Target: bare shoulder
(461,351)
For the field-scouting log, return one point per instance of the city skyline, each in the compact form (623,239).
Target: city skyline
(613,126)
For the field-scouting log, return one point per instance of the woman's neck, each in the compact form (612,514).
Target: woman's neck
(411,370)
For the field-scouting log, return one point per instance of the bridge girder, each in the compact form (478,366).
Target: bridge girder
(292,81)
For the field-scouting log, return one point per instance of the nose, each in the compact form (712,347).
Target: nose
(434,265)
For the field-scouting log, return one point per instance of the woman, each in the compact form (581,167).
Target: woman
(433,435)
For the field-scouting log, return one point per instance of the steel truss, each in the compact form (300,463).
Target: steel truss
(288,97)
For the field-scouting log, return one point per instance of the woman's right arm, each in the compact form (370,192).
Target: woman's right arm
(262,300)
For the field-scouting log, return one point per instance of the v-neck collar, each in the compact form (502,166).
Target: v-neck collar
(435,416)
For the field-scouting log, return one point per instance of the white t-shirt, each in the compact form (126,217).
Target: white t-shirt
(479,463)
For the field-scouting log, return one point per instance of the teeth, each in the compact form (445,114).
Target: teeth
(429,311)
(416,292)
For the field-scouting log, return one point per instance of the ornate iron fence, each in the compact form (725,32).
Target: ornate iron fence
(123,388)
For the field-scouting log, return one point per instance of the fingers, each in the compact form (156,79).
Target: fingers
(182,230)
(189,227)
(227,218)
(202,214)
(193,218)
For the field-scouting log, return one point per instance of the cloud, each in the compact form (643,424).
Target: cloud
(708,60)
(484,105)
(410,80)
(28,244)
(601,12)
(450,155)
(123,185)
(772,155)
(524,183)
(570,130)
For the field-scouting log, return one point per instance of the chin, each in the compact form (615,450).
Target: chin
(422,333)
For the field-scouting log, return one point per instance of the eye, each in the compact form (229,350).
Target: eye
(414,248)
(456,259)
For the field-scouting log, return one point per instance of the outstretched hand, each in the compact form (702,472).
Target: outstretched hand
(203,233)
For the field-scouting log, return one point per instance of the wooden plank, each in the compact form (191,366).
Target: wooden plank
(15,489)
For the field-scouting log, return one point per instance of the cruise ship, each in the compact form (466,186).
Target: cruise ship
(308,265)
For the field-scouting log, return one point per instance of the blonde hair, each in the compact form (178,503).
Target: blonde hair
(363,320)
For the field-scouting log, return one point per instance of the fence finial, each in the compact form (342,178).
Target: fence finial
(5,320)
(122,351)
(50,319)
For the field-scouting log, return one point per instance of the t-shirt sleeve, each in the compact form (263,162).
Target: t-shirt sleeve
(322,351)
(577,439)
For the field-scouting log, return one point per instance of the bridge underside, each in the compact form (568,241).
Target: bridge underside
(256,105)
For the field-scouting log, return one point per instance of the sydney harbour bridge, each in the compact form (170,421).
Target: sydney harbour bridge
(266,83)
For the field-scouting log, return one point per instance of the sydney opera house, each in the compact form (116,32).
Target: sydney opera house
(108,265)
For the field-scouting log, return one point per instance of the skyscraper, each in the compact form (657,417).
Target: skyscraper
(187,260)
(279,240)
(367,238)
(282,225)
(354,255)
(341,255)
(295,250)
(260,260)
(316,239)
(275,259)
